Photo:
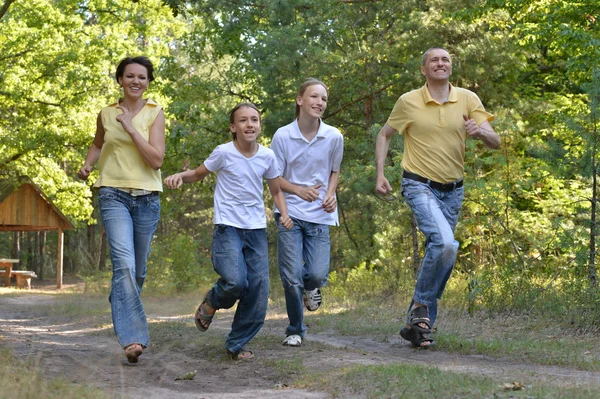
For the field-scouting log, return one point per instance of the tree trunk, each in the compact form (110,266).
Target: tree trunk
(36,253)
(592,276)
(42,255)
(16,247)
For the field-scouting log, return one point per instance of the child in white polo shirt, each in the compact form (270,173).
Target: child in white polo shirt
(309,153)
(239,251)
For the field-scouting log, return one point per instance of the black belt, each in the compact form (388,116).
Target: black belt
(433,184)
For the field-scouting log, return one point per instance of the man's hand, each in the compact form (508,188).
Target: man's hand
(383,186)
(472,127)
(174,181)
(308,194)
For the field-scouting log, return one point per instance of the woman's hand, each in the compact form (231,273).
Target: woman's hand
(84,172)
(126,120)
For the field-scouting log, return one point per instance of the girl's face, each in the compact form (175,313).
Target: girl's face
(313,101)
(134,80)
(246,124)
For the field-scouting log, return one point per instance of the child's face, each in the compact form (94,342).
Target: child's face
(313,101)
(246,124)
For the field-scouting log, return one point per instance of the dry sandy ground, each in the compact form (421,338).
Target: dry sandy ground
(77,352)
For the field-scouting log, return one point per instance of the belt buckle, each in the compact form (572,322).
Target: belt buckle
(136,192)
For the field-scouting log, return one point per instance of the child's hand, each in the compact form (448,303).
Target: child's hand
(286,222)
(308,194)
(174,181)
(329,203)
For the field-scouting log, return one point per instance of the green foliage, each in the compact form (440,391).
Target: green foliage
(176,264)
(526,224)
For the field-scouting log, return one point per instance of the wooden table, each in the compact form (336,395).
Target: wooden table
(7,265)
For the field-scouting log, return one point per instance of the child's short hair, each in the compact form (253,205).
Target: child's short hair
(234,110)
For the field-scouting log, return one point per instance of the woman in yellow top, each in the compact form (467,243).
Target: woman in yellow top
(130,147)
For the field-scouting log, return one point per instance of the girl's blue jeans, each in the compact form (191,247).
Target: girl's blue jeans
(303,255)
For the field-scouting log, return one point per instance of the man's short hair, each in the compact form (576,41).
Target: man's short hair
(424,59)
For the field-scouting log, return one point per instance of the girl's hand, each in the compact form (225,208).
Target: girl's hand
(174,181)
(329,203)
(286,222)
(84,172)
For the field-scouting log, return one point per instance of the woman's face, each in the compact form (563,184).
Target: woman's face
(246,124)
(134,80)
(313,101)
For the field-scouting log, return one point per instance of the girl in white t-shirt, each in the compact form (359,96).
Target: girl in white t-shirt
(309,154)
(239,251)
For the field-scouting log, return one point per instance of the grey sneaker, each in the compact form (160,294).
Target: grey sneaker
(312,299)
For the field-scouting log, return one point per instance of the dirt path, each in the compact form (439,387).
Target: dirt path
(83,352)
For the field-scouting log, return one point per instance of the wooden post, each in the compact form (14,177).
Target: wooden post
(59,261)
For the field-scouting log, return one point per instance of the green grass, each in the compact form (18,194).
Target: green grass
(20,380)
(409,381)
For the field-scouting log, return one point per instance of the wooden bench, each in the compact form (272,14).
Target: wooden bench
(6,266)
(23,278)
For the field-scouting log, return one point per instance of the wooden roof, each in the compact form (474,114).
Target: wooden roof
(24,207)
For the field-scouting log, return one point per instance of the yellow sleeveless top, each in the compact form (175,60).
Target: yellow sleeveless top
(121,164)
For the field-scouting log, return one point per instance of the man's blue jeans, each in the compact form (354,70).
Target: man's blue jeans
(130,223)
(436,213)
(241,258)
(303,255)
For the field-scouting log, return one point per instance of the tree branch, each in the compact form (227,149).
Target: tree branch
(358,100)
(5,6)
(15,55)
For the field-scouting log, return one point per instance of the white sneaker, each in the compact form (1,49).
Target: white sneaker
(312,299)
(292,340)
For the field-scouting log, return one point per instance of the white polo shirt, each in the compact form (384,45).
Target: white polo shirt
(238,199)
(307,164)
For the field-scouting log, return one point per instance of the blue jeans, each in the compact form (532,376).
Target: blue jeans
(303,254)
(241,258)
(130,223)
(436,213)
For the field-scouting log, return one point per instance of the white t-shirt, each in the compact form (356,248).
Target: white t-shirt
(307,164)
(238,199)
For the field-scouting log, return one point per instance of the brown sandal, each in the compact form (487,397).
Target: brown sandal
(202,315)
(244,354)
(133,351)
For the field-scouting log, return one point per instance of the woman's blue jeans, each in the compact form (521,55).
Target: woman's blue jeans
(241,258)
(436,213)
(130,223)
(303,255)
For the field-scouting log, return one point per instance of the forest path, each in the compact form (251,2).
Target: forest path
(86,351)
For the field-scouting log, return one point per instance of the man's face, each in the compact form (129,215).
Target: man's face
(438,66)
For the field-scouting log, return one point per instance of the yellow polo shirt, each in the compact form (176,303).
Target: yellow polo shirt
(435,134)
(121,164)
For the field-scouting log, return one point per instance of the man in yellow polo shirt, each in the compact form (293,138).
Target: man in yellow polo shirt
(436,121)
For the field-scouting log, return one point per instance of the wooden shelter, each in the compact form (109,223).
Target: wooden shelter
(24,207)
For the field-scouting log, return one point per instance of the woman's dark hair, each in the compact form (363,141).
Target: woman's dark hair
(309,82)
(143,61)
(234,110)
